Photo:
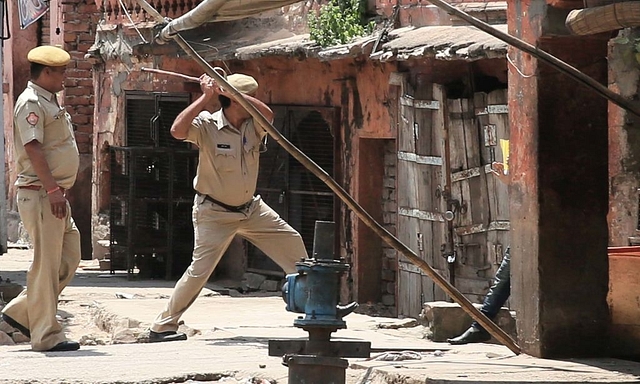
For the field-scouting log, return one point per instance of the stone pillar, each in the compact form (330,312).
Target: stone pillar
(624,141)
(559,192)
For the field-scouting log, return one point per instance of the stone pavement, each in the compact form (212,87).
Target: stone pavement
(229,343)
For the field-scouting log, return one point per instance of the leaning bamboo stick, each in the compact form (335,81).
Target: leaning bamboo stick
(363,215)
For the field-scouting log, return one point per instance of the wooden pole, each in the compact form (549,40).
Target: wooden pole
(556,63)
(363,215)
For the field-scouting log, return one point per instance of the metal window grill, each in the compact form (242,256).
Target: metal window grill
(151,190)
(149,118)
(150,213)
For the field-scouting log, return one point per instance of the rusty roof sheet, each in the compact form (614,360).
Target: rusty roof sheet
(439,42)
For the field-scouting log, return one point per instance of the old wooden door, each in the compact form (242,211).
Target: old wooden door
(451,210)
(421,224)
(479,200)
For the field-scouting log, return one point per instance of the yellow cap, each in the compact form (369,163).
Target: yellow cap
(243,83)
(49,55)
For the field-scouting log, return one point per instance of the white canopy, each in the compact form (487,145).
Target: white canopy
(219,10)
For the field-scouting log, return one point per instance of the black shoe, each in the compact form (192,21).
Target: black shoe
(158,337)
(65,346)
(24,330)
(471,335)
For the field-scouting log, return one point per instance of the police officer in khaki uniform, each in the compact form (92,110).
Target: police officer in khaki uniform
(225,205)
(47,164)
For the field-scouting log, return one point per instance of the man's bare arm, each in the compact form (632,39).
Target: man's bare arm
(182,123)
(261,107)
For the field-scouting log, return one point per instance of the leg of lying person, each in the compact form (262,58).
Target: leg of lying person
(495,299)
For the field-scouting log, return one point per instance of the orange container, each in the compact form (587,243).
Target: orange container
(624,299)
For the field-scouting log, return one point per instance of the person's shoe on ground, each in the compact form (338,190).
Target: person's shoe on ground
(65,346)
(471,335)
(158,337)
(9,320)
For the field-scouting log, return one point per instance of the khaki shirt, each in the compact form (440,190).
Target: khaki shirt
(38,116)
(228,159)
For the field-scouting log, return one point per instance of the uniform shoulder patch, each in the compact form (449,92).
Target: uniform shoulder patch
(32,118)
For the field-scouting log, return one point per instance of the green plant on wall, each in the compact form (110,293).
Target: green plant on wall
(632,51)
(338,22)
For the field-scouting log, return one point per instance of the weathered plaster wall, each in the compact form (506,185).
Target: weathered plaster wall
(624,139)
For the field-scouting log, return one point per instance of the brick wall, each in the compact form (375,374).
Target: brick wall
(419,13)
(79,22)
(389,220)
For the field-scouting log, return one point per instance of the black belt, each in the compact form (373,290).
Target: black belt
(232,208)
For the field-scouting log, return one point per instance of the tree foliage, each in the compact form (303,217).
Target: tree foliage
(338,22)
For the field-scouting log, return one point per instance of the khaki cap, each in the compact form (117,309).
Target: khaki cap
(49,55)
(243,83)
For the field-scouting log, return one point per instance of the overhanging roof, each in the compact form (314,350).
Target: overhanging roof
(443,43)
(439,42)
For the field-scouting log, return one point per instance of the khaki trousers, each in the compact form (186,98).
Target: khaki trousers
(214,229)
(56,255)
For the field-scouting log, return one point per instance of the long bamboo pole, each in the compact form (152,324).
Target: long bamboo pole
(363,215)
(542,55)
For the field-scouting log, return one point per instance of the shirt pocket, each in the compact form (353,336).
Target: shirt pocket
(60,129)
(253,156)
(226,158)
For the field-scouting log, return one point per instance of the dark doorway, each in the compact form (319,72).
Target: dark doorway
(287,186)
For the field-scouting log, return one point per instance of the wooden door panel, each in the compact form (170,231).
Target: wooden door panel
(481,222)
(406,141)
(420,198)
(480,228)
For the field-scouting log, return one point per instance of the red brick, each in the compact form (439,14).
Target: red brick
(87,8)
(79,100)
(75,91)
(80,73)
(86,38)
(82,136)
(84,46)
(75,54)
(88,83)
(86,128)
(84,65)
(85,110)
(76,27)
(80,119)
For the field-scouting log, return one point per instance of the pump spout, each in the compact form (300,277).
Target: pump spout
(344,310)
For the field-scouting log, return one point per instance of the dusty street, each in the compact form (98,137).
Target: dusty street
(228,342)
